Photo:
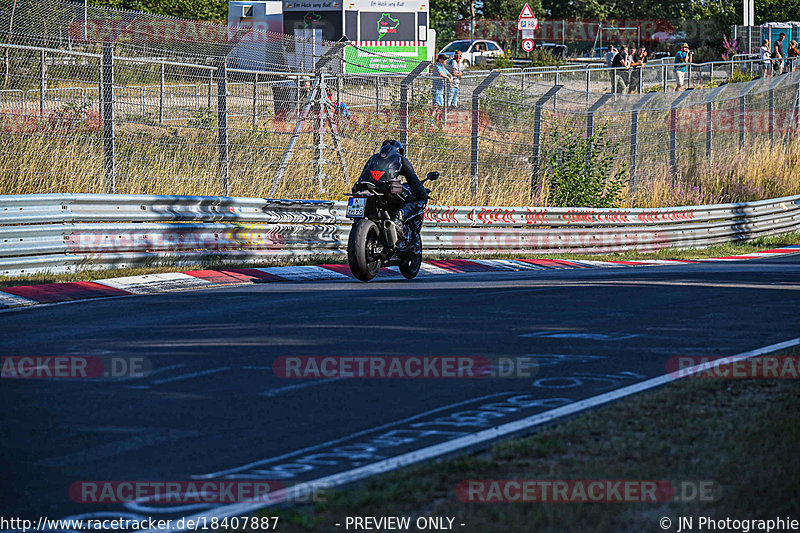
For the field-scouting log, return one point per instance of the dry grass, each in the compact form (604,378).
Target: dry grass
(157,159)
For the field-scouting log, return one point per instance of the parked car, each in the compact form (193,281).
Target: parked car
(475,52)
(556,50)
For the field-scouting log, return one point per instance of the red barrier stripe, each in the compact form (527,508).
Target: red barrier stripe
(251,274)
(549,263)
(233,276)
(345,269)
(59,292)
(459,265)
(569,263)
(214,276)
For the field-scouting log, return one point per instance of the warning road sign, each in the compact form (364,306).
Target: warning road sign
(527,13)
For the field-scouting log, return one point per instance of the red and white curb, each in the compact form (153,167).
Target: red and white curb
(25,295)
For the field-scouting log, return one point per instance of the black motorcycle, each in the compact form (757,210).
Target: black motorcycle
(375,240)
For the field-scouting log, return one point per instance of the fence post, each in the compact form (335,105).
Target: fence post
(407,81)
(42,82)
(634,159)
(475,136)
(772,86)
(772,115)
(222,125)
(590,113)
(255,101)
(795,123)
(710,120)
(664,77)
(673,132)
(161,96)
(588,83)
(537,138)
(319,125)
(377,95)
(107,105)
(210,86)
(743,111)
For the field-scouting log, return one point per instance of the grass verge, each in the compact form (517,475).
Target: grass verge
(740,434)
(695,253)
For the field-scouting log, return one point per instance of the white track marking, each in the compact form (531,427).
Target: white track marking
(303,273)
(12,300)
(184,377)
(288,388)
(482,437)
(150,283)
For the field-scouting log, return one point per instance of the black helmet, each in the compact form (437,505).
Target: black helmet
(395,144)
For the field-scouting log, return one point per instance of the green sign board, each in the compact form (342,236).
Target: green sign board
(374,59)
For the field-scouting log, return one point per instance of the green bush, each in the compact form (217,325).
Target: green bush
(738,76)
(581,170)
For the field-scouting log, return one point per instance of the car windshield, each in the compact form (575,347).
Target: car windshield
(457,46)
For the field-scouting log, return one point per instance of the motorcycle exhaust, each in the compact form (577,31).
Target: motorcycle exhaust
(391,233)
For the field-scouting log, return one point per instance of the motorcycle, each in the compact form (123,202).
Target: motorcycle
(375,241)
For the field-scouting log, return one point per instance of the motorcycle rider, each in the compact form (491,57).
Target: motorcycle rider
(391,163)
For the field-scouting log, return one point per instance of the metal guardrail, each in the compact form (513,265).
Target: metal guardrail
(70,232)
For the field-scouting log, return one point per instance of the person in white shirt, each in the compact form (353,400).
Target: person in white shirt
(766,56)
(456,68)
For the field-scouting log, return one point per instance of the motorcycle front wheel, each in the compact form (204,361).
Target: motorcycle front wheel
(365,238)
(410,265)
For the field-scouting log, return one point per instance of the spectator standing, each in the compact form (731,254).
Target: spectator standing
(764,55)
(440,74)
(620,66)
(612,51)
(793,55)
(637,62)
(777,54)
(682,58)
(456,68)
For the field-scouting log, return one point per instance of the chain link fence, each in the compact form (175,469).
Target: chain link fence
(99,100)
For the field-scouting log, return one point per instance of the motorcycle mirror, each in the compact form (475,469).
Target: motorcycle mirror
(433,176)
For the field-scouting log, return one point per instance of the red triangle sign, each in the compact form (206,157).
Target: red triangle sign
(526,12)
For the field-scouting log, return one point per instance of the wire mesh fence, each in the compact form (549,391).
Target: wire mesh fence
(99,100)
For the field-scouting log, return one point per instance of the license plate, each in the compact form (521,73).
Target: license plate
(356,207)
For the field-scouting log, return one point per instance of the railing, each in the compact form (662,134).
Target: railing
(71,232)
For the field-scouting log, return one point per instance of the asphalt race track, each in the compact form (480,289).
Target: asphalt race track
(211,408)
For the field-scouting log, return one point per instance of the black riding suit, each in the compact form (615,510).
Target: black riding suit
(393,163)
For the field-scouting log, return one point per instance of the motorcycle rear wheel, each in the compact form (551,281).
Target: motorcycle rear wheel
(410,265)
(364,237)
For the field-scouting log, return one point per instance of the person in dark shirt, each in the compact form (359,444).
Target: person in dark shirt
(620,64)
(637,62)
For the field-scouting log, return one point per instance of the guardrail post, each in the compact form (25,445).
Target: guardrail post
(634,156)
(664,77)
(42,78)
(475,136)
(222,125)
(404,109)
(107,105)
(673,132)
(537,138)
(161,95)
